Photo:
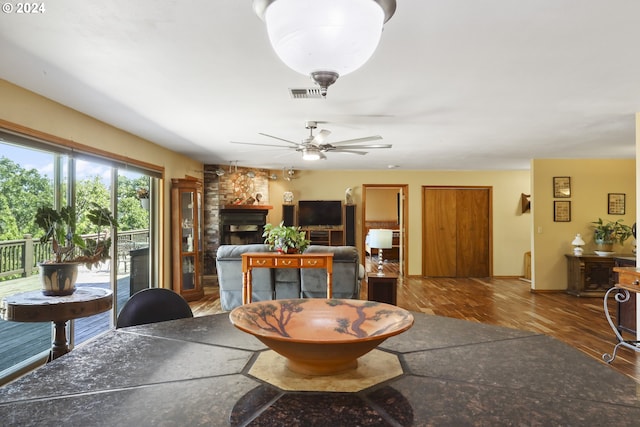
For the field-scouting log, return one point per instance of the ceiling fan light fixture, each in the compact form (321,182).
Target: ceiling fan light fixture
(310,154)
(330,38)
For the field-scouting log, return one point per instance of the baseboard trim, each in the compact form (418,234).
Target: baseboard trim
(548,291)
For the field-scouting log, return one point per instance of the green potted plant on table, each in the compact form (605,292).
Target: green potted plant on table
(605,235)
(70,249)
(285,239)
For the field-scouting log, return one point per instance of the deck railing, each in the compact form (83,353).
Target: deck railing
(20,258)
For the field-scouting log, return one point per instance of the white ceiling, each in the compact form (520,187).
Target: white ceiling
(454,84)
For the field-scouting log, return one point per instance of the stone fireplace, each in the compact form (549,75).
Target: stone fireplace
(236,204)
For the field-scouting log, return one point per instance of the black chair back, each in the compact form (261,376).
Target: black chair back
(153,305)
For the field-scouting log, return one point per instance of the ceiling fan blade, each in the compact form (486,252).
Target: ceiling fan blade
(320,137)
(330,147)
(367,146)
(281,139)
(360,153)
(356,140)
(260,145)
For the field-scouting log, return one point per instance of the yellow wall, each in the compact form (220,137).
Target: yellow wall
(382,204)
(591,181)
(511,230)
(27,109)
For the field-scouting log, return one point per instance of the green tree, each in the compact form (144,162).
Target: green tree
(88,191)
(8,226)
(127,187)
(131,215)
(24,190)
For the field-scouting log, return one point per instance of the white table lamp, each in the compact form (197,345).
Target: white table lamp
(578,243)
(380,239)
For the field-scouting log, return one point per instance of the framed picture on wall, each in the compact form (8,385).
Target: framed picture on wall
(561,186)
(562,211)
(616,203)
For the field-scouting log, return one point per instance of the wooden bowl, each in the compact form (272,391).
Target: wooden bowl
(321,336)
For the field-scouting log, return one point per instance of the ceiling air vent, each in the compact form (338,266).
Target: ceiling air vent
(309,93)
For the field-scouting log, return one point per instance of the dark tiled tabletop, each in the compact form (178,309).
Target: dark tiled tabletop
(193,372)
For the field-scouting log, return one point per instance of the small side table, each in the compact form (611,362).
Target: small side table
(382,288)
(35,307)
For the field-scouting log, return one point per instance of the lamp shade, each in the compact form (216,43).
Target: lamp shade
(578,241)
(381,238)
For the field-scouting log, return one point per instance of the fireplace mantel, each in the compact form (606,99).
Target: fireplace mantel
(246,207)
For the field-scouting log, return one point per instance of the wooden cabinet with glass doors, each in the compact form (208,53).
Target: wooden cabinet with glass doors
(186,236)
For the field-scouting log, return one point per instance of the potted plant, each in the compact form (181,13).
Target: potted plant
(143,195)
(285,239)
(69,249)
(605,235)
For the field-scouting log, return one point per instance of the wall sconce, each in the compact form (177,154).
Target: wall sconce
(380,239)
(288,174)
(231,164)
(577,244)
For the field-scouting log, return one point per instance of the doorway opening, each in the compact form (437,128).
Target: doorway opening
(384,206)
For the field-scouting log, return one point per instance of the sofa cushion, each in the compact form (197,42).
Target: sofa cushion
(286,283)
(229,266)
(229,252)
(346,272)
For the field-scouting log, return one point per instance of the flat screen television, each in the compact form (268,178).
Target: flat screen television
(319,213)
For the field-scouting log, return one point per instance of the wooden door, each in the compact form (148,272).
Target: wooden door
(456,232)
(439,245)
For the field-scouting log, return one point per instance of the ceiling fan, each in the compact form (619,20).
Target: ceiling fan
(313,147)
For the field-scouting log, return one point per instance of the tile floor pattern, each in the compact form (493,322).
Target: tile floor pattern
(196,372)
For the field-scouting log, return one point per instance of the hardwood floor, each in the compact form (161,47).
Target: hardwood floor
(578,322)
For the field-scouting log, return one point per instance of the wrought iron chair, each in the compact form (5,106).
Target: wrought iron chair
(153,305)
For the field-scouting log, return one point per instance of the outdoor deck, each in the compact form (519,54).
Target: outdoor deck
(24,340)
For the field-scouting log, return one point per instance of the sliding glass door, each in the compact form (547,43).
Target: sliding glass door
(32,177)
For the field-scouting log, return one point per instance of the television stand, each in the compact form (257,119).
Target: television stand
(325,236)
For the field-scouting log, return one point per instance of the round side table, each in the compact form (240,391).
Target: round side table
(33,306)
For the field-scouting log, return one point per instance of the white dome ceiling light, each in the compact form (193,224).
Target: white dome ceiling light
(324,39)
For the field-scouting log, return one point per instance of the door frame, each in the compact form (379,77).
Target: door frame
(404,212)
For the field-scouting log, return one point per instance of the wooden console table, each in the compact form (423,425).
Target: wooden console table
(33,306)
(590,275)
(251,260)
